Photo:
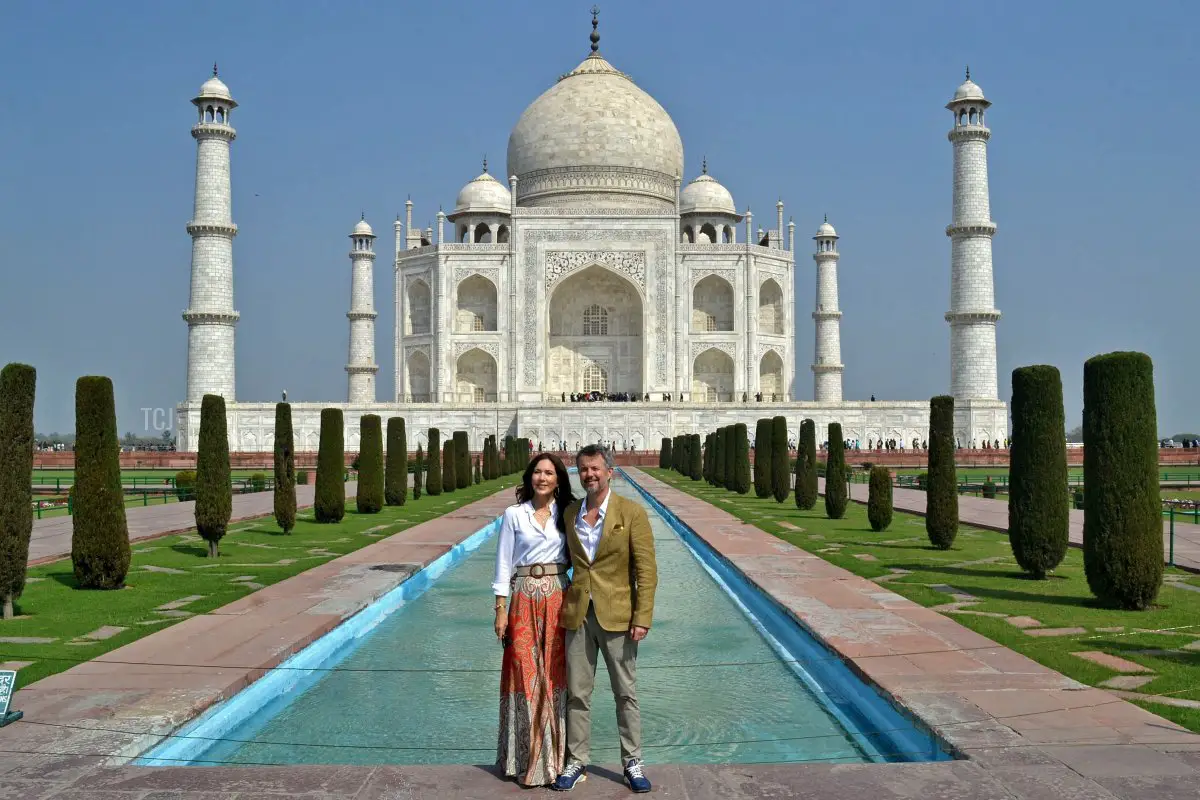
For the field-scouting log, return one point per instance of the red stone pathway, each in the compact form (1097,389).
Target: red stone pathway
(52,536)
(1030,733)
(982,512)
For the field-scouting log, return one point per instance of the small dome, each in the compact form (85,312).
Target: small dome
(705,195)
(216,88)
(363,229)
(826,229)
(969,90)
(484,195)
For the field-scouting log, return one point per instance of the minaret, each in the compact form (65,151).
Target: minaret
(210,316)
(827,349)
(972,314)
(361,368)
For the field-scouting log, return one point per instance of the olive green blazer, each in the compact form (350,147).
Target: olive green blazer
(620,582)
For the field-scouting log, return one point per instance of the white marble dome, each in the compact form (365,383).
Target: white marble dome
(705,195)
(826,229)
(968,90)
(361,228)
(215,88)
(595,133)
(484,195)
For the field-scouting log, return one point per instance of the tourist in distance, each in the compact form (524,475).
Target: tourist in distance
(608,610)
(529,585)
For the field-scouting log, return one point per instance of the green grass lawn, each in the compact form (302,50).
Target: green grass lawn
(254,554)
(1156,638)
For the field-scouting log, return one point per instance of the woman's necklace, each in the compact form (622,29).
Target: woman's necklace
(541,515)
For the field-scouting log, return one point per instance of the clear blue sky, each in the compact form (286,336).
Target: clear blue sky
(836,107)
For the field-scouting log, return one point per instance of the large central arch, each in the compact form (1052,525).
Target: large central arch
(595,334)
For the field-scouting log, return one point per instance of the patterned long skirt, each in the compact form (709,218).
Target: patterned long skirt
(533,683)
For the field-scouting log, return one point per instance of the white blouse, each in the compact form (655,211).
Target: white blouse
(522,542)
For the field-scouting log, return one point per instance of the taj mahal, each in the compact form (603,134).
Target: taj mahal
(596,294)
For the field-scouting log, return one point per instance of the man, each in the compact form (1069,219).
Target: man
(607,610)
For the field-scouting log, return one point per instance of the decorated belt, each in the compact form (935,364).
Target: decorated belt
(540,570)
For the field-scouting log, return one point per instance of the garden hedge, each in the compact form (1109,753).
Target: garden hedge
(835,474)
(720,457)
(879,500)
(329,496)
(100,535)
(741,456)
(941,494)
(17,387)
(697,466)
(806,466)
(462,460)
(369,498)
(395,471)
(1122,509)
(418,473)
(762,458)
(1038,511)
(449,466)
(433,467)
(285,469)
(214,482)
(780,459)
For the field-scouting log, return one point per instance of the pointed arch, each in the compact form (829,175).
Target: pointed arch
(712,376)
(476,305)
(416,377)
(417,320)
(770,376)
(475,377)
(770,308)
(712,305)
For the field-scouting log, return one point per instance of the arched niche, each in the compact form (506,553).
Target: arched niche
(475,377)
(417,319)
(770,376)
(416,377)
(476,309)
(770,308)
(712,376)
(712,305)
(595,320)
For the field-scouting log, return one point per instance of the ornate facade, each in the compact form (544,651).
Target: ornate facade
(595,269)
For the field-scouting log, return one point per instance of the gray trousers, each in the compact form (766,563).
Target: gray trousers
(620,658)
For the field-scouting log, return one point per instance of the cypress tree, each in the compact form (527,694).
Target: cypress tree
(17,387)
(494,458)
(100,534)
(462,459)
(664,454)
(941,496)
(449,479)
(695,458)
(418,473)
(285,469)
(479,470)
(741,451)
(780,483)
(506,458)
(762,458)
(806,466)
(370,465)
(719,459)
(1122,522)
(433,469)
(683,458)
(329,496)
(879,502)
(835,474)
(395,480)
(214,484)
(708,437)
(1038,513)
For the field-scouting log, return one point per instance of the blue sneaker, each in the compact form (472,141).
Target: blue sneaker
(634,776)
(575,772)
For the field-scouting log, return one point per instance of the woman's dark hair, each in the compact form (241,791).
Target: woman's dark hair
(562,493)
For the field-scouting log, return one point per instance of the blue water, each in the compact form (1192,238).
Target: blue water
(724,676)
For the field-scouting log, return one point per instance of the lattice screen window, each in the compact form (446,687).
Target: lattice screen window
(479,394)
(595,321)
(595,379)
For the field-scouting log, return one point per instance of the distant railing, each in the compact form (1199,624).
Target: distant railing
(168,494)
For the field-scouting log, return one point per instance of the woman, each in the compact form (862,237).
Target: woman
(531,569)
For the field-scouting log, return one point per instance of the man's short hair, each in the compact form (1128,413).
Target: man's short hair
(596,450)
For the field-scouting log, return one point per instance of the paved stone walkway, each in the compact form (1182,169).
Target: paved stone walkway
(1029,732)
(52,537)
(993,515)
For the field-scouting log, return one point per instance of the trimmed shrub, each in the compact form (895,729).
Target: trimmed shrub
(923,481)
(506,458)
(490,470)
(462,460)
(479,470)
(1122,522)
(741,456)
(258,482)
(1077,497)
(697,466)
(780,459)
(449,464)
(100,534)
(433,467)
(17,386)
(762,458)
(395,471)
(1038,515)
(285,469)
(302,477)
(370,464)
(835,474)
(214,487)
(989,490)
(941,498)
(719,458)
(418,473)
(879,501)
(329,501)
(806,466)
(706,459)
(185,485)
